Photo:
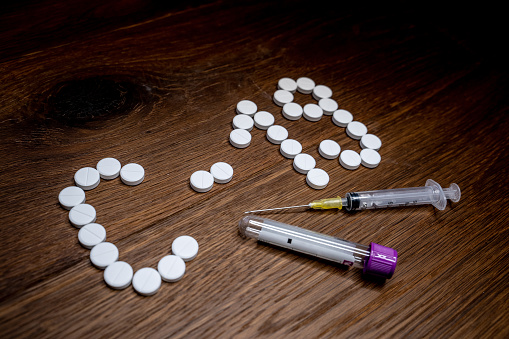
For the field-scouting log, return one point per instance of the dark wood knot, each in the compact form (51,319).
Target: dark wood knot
(78,102)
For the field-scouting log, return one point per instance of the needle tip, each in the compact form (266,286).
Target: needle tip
(275,209)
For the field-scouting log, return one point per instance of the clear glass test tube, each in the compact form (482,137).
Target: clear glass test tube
(374,259)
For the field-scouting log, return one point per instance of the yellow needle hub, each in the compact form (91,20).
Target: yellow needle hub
(326,204)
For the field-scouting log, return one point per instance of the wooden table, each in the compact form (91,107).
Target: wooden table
(157,84)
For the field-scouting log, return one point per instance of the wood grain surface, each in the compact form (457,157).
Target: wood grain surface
(156,83)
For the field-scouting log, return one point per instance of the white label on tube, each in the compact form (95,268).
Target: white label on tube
(308,246)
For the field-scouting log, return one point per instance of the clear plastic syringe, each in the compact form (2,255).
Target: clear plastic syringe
(375,259)
(432,193)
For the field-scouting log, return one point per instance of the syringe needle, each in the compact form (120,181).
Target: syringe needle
(279,208)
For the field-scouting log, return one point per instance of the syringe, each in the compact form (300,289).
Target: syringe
(432,193)
(374,259)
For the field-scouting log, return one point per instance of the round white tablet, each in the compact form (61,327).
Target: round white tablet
(201,181)
(292,111)
(287,84)
(329,149)
(132,174)
(317,178)
(103,254)
(71,196)
(185,247)
(370,158)
(118,275)
(350,159)
(243,121)
(328,105)
(312,112)
(276,134)
(342,117)
(303,163)
(91,235)
(246,107)
(263,120)
(82,214)
(356,130)
(87,178)
(282,97)
(240,138)
(321,92)
(171,268)
(371,141)
(147,281)
(305,85)
(290,148)
(108,168)
(222,172)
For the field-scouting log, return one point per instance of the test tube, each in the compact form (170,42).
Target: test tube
(374,259)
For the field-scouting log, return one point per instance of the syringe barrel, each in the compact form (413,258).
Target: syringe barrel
(390,198)
(374,259)
(432,194)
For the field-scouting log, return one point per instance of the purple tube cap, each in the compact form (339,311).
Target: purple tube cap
(381,262)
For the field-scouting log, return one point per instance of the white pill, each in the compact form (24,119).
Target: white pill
(103,254)
(222,172)
(276,134)
(108,168)
(312,112)
(321,92)
(305,85)
(356,130)
(263,120)
(290,148)
(118,275)
(329,149)
(240,138)
(350,159)
(371,141)
(342,117)
(91,235)
(287,84)
(317,178)
(185,247)
(71,196)
(282,97)
(243,121)
(303,163)
(201,181)
(328,105)
(87,178)
(171,268)
(370,158)
(132,174)
(82,214)
(246,107)
(147,281)
(292,111)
